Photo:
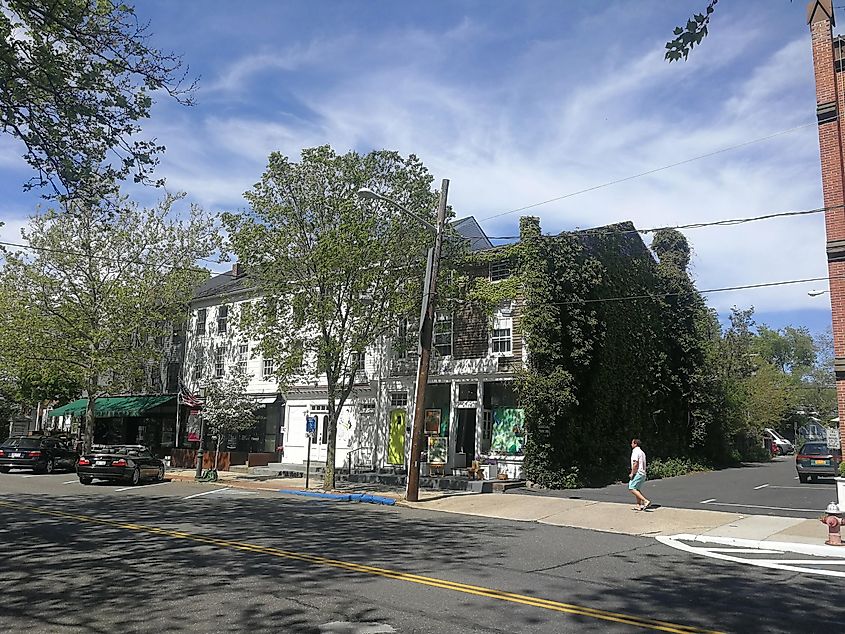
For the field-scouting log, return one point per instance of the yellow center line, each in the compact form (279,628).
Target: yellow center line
(500,595)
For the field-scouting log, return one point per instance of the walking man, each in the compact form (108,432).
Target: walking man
(637,475)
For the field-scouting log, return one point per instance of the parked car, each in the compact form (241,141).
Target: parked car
(783,446)
(816,459)
(42,454)
(126,463)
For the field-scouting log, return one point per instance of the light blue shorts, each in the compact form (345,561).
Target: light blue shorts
(636,482)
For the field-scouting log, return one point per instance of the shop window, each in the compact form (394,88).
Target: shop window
(398,399)
(202,317)
(222,318)
(443,334)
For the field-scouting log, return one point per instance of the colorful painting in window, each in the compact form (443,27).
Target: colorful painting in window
(508,430)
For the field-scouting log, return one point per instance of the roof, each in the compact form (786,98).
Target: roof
(115,405)
(470,229)
(224,284)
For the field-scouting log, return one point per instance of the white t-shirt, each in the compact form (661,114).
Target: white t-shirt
(638,455)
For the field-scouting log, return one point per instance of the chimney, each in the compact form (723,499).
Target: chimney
(237,269)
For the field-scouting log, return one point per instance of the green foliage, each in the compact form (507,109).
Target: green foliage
(689,35)
(333,272)
(227,406)
(842,469)
(670,467)
(85,302)
(78,77)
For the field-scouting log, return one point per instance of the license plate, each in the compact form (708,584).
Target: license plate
(17,455)
(824,462)
(100,463)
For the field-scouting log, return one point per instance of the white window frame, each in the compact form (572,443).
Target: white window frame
(201,327)
(220,362)
(503,325)
(243,355)
(398,399)
(440,319)
(222,319)
(268,369)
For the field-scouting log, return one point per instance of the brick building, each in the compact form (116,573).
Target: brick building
(828,66)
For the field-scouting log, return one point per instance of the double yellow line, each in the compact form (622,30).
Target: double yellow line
(490,593)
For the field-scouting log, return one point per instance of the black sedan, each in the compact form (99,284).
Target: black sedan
(124,463)
(42,454)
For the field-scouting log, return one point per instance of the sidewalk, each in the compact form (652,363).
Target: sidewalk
(601,516)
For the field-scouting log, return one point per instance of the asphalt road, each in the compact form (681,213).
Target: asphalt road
(756,489)
(186,557)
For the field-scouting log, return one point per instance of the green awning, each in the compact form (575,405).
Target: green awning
(115,405)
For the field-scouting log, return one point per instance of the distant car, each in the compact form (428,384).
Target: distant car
(124,463)
(42,454)
(782,445)
(816,459)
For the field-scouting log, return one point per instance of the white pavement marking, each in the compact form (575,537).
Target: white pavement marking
(757,506)
(762,486)
(70,481)
(743,550)
(196,495)
(708,501)
(142,486)
(674,541)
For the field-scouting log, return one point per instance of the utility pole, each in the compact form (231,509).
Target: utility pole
(426,335)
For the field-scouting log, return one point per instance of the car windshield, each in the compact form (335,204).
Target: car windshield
(22,443)
(122,450)
(815,449)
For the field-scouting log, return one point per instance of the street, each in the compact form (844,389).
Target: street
(756,489)
(190,557)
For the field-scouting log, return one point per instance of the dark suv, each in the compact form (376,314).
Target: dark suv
(816,459)
(39,453)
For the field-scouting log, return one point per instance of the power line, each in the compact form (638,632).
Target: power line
(702,292)
(648,172)
(695,225)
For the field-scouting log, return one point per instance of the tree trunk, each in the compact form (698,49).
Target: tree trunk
(88,432)
(217,448)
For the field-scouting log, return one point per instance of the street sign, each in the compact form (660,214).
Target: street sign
(833,440)
(311,424)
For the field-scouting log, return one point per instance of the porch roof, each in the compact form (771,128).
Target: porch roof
(115,405)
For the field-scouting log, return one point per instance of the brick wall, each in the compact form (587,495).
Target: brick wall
(830,102)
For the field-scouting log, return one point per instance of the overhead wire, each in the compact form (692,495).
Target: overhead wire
(649,172)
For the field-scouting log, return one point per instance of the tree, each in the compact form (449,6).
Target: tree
(227,407)
(94,288)
(77,77)
(691,34)
(333,272)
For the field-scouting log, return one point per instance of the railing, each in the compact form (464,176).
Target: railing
(350,464)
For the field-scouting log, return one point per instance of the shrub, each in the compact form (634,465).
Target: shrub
(755,453)
(671,467)
(842,468)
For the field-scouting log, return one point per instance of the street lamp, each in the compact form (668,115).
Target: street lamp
(816,293)
(412,492)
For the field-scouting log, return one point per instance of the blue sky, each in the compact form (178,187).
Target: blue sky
(516,103)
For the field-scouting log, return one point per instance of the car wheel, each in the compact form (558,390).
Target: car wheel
(85,479)
(160,474)
(802,478)
(136,476)
(4,469)
(50,467)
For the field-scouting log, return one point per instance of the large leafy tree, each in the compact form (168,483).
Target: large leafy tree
(76,79)
(333,272)
(94,288)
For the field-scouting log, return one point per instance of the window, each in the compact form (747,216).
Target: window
(501,340)
(198,365)
(367,407)
(400,344)
(443,334)
(243,351)
(222,316)
(202,316)
(358,359)
(500,270)
(220,361)
(468,391)
(269,369)
(398,399)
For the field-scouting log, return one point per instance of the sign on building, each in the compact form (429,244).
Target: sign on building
(833,440)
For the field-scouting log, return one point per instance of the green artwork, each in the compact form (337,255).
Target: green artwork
(438,448)
(508,430)
(396,440)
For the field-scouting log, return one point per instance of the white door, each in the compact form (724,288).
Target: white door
(296,441)
(319,450)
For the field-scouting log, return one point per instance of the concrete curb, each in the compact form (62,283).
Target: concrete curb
(820,550)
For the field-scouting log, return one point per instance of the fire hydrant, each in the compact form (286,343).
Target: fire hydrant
(833,519)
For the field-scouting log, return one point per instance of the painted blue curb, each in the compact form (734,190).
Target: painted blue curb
(342,497)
